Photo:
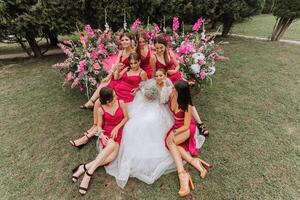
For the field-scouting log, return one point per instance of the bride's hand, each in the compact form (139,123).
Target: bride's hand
(134,91)
(114,133)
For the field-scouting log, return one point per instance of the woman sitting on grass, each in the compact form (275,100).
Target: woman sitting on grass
(112,115)
(128,83)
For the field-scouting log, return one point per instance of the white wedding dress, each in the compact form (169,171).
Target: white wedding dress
(143,154)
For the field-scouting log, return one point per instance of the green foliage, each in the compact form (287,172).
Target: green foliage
(287,8)
(268,6)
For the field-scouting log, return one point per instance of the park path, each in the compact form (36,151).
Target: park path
(25,55)
(59,51)
(263,38)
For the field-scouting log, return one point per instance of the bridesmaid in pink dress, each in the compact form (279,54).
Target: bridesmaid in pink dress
(130,78)
(112,115)
(125,84)
(180,139)
(145,53)
(164,58)
(122,62)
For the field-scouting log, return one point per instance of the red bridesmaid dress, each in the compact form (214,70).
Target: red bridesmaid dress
(145,64)
(126,85)
(113,82)
(174,77)
(110,121)
(190,144)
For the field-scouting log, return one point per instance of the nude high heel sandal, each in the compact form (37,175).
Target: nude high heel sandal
(186,183)
(196,162)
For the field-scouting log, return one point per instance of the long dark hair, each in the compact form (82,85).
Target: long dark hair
(106,95)
(140,34)
(184,98)
(163,41)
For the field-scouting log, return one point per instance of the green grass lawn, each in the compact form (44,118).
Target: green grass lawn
(252,110)
(262,26)
(12,48)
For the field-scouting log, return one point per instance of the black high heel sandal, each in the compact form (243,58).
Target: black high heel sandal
(203,130)
(83,188)
(72,142)
(75,178)
(86,107)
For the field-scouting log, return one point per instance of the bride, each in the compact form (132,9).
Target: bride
(143,154)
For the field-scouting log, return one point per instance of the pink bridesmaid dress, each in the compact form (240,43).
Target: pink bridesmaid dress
(110,121)
(190,144)
(145,64)
(127,83)
(174,77)
(113,82)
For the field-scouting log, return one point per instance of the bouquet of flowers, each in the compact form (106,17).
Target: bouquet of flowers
(150,90)
(196,54)
(84,67)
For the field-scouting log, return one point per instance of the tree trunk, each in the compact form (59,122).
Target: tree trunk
(280,27)
(213,24)
(227,25)
(52,36)
(33,45)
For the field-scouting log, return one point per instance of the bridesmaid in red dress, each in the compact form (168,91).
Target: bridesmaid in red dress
(163,58)
(122,62)
(125,85)
(180,139)
(130,78)
(112,115)
(145,53)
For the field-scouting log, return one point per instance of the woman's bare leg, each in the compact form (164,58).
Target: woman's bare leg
(95,96)
(109,159)
(100,159)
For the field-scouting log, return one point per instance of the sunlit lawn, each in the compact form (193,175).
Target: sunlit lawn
(262,26)
(252,110)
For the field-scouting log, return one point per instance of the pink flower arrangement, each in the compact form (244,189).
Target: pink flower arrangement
(67,42)
(136,24)
(202,74)
(69,76)
(168,38)
(96,66)
(75,82)
(175,24)
(81,65)
(198,24)
(95,55)
(90,31)
(153,35)
(186,47)
(84,67)
(156,28)
(83,40)
(201,62)
(147,36)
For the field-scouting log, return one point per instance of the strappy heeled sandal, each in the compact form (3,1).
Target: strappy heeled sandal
(72,142)
(83,188)
(87,107)
(186,183)
(75,178)
(196,162)
(203,130)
